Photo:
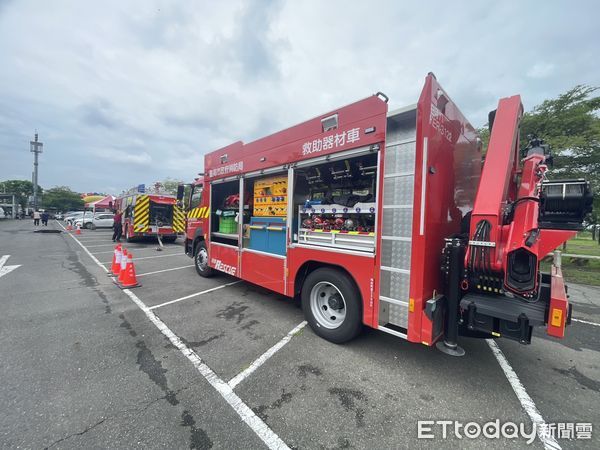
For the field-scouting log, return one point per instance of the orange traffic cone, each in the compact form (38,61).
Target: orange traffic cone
(129,279)
(69,227)
(115,268)
(78,230)
(123,266)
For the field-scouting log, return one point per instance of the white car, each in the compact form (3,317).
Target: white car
(70,217)
(98,221)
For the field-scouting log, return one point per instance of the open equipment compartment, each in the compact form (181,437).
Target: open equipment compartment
(265,213)
(224,212)
(335,203)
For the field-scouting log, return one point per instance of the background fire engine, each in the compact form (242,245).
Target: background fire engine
(150,215)
(387,219)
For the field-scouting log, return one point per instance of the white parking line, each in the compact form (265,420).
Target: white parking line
(194,295)
(164,270)
(260,428)
(152,257)
(587,322)
(526,401)
(265,356)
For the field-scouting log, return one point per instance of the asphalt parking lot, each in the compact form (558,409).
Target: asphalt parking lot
(188,362)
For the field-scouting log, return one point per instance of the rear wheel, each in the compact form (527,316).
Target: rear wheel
(332,305)
(201,261)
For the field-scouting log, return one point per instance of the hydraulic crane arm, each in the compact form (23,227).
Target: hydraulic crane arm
(518,217)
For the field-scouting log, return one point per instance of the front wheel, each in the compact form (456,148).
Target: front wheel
(332,305)
(201,261)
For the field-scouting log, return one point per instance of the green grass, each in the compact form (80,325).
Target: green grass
(579,270)
(583,245)
(589,273)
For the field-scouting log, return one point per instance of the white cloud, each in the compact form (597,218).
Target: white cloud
(114,87)
(541,70)
(123,157)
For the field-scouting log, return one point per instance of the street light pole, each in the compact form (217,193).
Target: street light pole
(35,148)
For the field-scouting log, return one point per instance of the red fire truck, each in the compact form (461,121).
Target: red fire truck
(150,215)
(389,219)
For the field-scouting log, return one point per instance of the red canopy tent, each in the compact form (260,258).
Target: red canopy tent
(104,203)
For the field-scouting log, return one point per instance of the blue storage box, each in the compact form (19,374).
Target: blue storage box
(267,234)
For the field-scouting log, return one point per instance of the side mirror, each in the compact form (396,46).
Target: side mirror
(180,189)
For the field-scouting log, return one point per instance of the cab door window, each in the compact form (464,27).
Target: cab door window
(196,197)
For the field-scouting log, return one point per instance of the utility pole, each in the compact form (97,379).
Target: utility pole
(35,148)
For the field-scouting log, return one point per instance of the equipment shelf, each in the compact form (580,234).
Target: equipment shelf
(359,208)
(350,240)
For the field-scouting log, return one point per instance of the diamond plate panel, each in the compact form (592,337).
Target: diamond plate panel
(395,285)
(395,254)
(398,315)
(398,190)
(400,158)
(402,126)
(397,222)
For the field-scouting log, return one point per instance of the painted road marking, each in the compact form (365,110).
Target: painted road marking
(151,257)
(526,401)
(165,270)
(195,295)
(265,356)
(260,428)
(587,322)
(4,270)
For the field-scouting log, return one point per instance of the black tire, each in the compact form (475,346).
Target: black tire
(201,261)
(342,284)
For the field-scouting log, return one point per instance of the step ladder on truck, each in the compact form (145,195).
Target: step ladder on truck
(388,219)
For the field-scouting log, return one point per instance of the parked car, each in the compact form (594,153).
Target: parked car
(70,219)
(102,220)
(2,214)
(58,216)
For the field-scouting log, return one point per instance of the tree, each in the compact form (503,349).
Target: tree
(62,198)
(170,186)
(23,189)
(570,124)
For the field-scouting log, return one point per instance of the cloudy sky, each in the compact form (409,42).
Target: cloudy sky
(129,92)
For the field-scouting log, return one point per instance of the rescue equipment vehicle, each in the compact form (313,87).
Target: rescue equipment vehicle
(389,219)
(150,215)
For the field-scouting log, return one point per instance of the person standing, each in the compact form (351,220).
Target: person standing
(45,216)
(36,218)
(117,226)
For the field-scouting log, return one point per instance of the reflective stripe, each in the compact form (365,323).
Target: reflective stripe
(141,214)
(178,220)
